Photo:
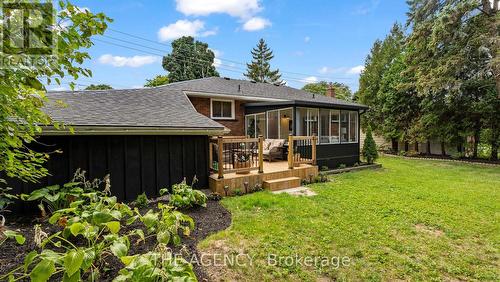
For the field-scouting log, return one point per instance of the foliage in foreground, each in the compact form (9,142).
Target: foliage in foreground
(184,196)
(22,92)
(92,233)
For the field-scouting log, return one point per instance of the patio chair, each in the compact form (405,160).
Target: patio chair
(273,149)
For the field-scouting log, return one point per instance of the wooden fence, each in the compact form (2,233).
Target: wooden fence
(301,150)
(235,154)
(240,154)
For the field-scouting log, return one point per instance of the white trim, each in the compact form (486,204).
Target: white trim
(120,130)
(231,96)
(222,118)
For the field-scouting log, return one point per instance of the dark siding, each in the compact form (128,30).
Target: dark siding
(332,155)
(136,164)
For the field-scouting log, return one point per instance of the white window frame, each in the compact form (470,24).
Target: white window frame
(330,127)
(349,128)
(255,124)
(222,100)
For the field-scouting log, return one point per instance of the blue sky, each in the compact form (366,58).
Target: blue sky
(312,40)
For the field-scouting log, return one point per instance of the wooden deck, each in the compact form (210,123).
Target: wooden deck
(272,171)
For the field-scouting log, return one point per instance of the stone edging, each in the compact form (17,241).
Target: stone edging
(354,168)
(438,159)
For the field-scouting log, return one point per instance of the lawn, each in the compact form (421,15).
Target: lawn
(411,220)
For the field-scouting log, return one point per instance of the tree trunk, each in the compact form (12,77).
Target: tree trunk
(416,147)
(406,146)
(428,148)
(395,145)
(477,132)
(495,132)
(443,149)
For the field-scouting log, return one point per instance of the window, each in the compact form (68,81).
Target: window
(344,126)
(272,125)
(334,126)
(255,125)
(324,128)
(353,128)
(307,121)
(286,123)
(222,109)
(250,126)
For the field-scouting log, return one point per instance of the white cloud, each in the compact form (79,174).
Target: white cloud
(310,79)
(307,39)
(242,9)
(217,60)
(184,28)
(324,70)
(356,70)
(134,62)
(256,23)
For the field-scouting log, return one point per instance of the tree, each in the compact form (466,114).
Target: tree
(188,60)
(259,69)
(98,87)
(342,91)
(22,93)
(382,55)
(369,147)
(454,61)
(156,81)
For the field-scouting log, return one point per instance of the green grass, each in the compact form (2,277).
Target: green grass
(411,220)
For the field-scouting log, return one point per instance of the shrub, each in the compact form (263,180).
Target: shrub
(184,196)
(369,147)
(341,166)
(141,201)
(56,197)
(214,196)
(324,168)
(237,192)
(5,200)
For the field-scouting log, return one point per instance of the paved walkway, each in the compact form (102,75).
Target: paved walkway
(298,191)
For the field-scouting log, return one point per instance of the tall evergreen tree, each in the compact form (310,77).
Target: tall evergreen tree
(382,55)
(188,60)
(259,69)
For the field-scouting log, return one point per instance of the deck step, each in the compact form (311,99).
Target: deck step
(281,183)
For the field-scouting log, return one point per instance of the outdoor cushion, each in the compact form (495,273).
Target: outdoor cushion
(266,144)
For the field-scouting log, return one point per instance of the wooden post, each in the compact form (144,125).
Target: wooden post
(314,140)
(261,154)
(210,155)
(290,151)
(220,167)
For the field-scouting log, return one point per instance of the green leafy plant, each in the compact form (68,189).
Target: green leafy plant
(214,196)
(10,234)
(184,196)
(342,166)
(141,201)
(369,151)
(158,265)
(167,224)
(6,199)
(56,197)
(237,192)
(324,168)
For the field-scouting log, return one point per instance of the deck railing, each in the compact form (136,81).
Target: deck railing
(301,150)
(235,154)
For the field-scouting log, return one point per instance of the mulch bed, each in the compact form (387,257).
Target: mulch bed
(208,220)
(448,158)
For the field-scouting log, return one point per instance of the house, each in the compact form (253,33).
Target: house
(151,138)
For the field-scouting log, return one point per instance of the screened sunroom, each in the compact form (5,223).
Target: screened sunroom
(337,129)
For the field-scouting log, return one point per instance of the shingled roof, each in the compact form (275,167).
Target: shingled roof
(166,107)
(249,89)
(145,107)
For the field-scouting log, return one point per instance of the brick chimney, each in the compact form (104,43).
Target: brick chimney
(330,92)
